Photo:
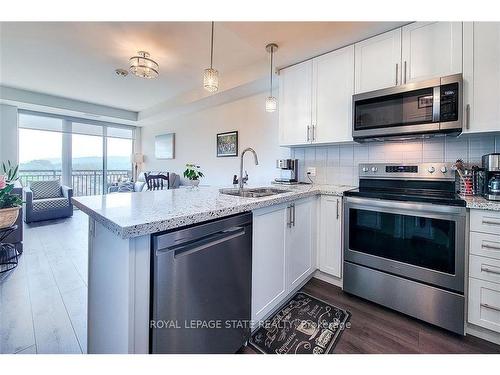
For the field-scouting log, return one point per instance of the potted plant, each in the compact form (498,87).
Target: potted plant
(193,174)
(10,203)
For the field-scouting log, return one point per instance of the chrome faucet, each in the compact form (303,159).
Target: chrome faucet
(242,179)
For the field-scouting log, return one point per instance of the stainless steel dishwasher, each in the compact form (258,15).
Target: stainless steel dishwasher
(201,287)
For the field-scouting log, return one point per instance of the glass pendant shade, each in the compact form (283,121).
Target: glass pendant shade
(271,104)
(144,67)
(211,79)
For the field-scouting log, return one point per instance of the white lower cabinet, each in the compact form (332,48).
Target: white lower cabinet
(283,252)
(484,270)
(330,236)
(484,304)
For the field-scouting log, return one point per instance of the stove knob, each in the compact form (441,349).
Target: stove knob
(374,169)
(444,169)
(431,169)
(365,169)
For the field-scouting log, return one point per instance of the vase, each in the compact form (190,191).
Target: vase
(194,183)
(8,216)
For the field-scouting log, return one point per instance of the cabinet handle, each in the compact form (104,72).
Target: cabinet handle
(293,214)
(491,221)
(314,133)
(338,214)
(489,270)
(308,128)
(467,116)
(289,218)
(492,247)
(397,69)
(405,72)
(485,305)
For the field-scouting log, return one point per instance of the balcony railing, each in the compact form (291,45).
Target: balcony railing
(84,182)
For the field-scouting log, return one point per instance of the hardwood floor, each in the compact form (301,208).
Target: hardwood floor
(377,330)
(43,304)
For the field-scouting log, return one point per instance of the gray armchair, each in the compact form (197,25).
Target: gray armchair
(46,200)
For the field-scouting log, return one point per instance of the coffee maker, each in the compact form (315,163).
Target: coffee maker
(491,165)
(289,169)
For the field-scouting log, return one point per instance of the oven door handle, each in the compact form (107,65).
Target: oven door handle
(406,206)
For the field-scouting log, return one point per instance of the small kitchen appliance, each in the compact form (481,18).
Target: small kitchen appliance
(289,169)
(404,241)
(417,109)
(491,166)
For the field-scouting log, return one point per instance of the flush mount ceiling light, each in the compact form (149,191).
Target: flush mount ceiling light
(211,75)
(271,102)
(144,67)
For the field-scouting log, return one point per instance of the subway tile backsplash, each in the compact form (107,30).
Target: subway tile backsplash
(338,164)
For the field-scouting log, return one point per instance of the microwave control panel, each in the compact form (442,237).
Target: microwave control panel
(449,102)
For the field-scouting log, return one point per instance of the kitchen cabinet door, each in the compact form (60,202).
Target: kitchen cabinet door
(268,260)
(330,241)
(481,77)
(332,96)
(295,104)
(299,239)
(378,62)
(431,49)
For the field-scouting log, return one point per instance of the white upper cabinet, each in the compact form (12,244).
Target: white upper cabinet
(378,62)
(430,50)
(316,99)
(481,77)
(295,104)
(333,76)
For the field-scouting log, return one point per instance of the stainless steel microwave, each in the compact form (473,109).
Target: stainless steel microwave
(413,110)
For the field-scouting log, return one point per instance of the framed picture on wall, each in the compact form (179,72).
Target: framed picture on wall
(165,146)
(227,144)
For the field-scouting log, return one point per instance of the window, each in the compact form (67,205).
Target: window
(88,155)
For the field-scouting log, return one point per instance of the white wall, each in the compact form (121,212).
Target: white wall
(338,164)
(8,133)
(195,141)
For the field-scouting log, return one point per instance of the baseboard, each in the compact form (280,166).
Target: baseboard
(328,278)
(482,333)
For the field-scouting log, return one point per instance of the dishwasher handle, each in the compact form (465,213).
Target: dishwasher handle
(193,246)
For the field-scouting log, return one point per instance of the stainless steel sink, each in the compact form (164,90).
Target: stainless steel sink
(254,192)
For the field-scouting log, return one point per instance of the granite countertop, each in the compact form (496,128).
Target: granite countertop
(137,214)
(480,203)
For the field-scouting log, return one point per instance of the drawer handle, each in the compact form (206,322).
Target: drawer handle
(491,221)
(489,270)
(486,306)
(484,246)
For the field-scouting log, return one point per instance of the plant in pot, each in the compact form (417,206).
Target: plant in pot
(193,174)
(10,203)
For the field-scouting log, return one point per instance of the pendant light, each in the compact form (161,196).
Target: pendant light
(271,102)
(211,75)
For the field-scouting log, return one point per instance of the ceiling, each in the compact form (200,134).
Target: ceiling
(77,60)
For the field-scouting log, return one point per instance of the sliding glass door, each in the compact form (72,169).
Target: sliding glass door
(87,155)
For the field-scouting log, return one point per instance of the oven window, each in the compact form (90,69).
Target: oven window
(419,241)
(409,108)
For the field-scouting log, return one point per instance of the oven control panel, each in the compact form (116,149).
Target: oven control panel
(438,171)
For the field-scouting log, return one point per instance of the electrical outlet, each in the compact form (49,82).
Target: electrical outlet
(311,171)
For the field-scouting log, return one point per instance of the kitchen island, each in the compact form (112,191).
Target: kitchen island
(120,230)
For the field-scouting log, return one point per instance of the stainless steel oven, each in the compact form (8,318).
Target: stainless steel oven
(404,241)
(415,109)
(421,242)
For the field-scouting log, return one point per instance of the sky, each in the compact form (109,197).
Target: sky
(38,144)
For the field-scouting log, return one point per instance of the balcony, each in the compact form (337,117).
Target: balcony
(84,182)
